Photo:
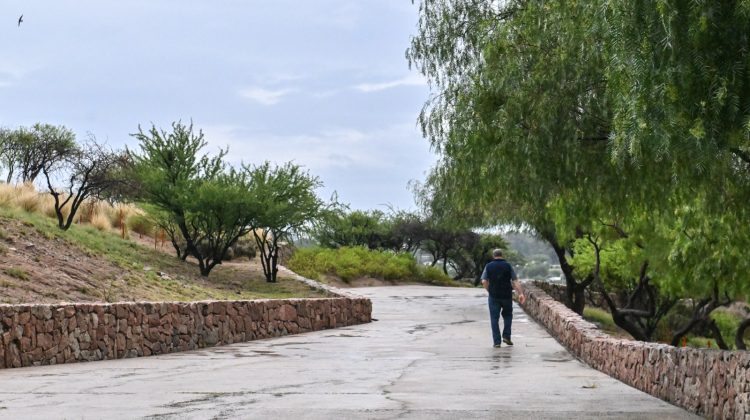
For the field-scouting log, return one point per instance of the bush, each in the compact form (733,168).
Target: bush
(140,224)
(349,263)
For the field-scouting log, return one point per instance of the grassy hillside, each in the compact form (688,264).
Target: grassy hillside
(91,262)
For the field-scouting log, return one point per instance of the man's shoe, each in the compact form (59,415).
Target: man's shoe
(507,341)
(498,345)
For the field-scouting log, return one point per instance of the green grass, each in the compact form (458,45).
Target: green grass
(600,317)
(17,273)
(701,342)
(350,263)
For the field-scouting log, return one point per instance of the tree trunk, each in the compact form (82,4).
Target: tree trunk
(579,299)
(700,313)
(620,320)
(274,263)
(574,293)
(739,339)
(717,335)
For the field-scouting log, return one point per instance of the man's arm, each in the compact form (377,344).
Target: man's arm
(485,280)
(517,286)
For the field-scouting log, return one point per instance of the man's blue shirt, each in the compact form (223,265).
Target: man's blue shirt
(500,274)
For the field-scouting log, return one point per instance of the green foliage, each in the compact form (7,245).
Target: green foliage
(349,263)
(340,228)
(619,262)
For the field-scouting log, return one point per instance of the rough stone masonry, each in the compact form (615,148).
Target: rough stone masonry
(64,333)
(712,383)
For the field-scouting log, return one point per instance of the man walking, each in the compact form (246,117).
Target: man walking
(499,279)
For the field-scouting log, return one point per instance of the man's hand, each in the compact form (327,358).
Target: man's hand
(521,298)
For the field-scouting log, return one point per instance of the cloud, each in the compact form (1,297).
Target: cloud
(341,14)
(410,80)
(265,96)
(337,148)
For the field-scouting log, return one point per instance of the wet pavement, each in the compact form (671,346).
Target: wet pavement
(428,356)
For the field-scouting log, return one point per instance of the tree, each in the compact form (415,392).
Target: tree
(408,231)
(287,204)
(519,116)
(29,151)
(589,119)
(90,171)
(619,265)
(339,227)
(204,202)
(481,253)
(220,213)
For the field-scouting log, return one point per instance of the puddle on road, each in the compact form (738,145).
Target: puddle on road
(291,343)
(267,353)
(556,357)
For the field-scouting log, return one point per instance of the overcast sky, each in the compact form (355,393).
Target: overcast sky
(323,83)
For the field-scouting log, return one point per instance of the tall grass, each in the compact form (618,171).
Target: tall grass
(100,214)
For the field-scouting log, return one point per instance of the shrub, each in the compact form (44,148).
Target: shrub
(349,263)
(141,224)
(434,275)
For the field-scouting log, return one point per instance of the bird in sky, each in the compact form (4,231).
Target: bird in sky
(20,19)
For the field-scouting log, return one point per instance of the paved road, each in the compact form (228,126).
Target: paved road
(429,356)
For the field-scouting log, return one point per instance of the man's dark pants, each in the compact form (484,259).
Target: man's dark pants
(500,306)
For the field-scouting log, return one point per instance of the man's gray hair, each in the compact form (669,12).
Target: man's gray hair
(497,253)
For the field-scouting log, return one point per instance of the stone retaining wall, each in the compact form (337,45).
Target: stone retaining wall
(712,383)
(65,333)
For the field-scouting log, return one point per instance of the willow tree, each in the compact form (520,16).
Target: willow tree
(520,116)
(679,81)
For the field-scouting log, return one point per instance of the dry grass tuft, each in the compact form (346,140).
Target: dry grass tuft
(100,214)
(120,213)
(22,197)
(101,222)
